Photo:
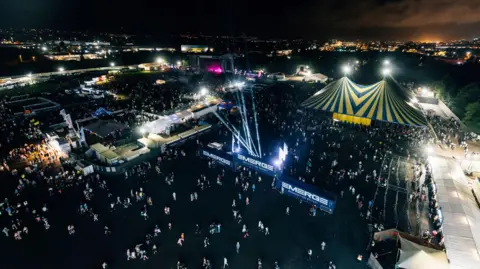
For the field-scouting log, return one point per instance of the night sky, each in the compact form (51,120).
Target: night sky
(362,19)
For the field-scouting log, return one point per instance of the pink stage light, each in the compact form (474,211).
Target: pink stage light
(215,69)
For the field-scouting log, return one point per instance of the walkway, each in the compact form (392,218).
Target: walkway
(417,210)
(460,212)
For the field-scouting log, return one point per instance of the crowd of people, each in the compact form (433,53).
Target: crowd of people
(180,204)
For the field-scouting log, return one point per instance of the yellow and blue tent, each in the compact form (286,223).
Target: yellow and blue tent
(382,101)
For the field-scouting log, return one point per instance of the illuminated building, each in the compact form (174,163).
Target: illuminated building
(73,57)
(283,52)
(441,53)
(194,48)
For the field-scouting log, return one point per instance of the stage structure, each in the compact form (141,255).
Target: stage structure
(241,135)
(362,104)
(226,62)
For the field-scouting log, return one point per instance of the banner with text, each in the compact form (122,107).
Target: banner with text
(217,156)
(323,200)
(256,164)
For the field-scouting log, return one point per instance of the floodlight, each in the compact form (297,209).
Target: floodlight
(386,62)
(277,163)
(386,71)
(346,69)
(429,149)
(238,84)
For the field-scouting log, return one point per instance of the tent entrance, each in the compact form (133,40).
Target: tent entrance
(352,119)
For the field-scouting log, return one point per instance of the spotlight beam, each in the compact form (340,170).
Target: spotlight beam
(235,132)
(256,121)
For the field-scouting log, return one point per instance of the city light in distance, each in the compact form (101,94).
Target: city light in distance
(44,48)
(159,60)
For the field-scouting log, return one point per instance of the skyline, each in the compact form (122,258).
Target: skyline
(416,20)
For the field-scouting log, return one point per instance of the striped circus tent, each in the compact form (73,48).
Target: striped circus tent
(360,104)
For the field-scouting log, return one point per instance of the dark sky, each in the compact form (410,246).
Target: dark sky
(362,19)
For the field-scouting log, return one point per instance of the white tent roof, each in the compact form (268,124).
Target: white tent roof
(414,256)
(158,126)
(460,212)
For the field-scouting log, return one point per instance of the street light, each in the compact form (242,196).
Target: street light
(179,63)
(44,48)
(203,91)
(386,62)
(159,60)
(346,69)
(61,69)
(112,64)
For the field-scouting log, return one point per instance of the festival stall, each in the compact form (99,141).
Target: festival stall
(409,252)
